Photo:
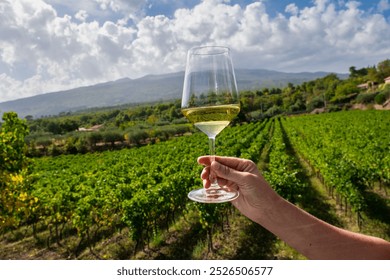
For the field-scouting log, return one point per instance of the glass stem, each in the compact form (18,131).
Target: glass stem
(212,146)
(213,178)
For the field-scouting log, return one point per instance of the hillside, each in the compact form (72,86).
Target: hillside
(150,88)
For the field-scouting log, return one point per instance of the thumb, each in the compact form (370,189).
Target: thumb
(226,172)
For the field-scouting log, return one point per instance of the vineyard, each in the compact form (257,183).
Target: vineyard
(134,200)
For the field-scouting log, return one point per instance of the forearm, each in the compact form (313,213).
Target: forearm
(307,234)
(316,239)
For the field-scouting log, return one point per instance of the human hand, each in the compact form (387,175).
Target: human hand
(241,175)
(309,235)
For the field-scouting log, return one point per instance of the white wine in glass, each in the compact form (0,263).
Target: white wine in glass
(210,101)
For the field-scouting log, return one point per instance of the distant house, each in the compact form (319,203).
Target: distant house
(92,128)
(368,85)
(387,80)
(363,86)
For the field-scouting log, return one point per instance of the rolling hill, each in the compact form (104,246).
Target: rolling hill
(151,88)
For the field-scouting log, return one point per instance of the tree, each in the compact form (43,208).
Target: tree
(14,197)
(69,125)
(383,69)
(373,75)
(54,127)
(345,88)
(12,146)
(355,73)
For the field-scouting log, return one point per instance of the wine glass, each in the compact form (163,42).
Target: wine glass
(210,102)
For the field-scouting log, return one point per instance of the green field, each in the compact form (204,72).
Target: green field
(132,203)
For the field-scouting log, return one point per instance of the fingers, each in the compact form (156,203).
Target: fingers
(225,172)
(229,171)
(229,161)
(206,178)
(204,160)
(232,162)
(205,173)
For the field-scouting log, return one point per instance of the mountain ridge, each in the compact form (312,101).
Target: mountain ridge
(149,88)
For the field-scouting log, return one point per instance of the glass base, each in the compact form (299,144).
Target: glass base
(212,195)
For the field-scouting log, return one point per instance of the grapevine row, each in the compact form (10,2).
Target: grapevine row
(143,188)
(282,169)
(349,151)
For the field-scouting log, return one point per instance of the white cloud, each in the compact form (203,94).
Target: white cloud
(292,9)
(383,5)
(120,5)
(81,15)
(43,49)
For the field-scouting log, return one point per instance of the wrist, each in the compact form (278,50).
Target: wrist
(264,203)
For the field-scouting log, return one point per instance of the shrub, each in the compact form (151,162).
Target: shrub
(380,98)
(317,102)
(366,98)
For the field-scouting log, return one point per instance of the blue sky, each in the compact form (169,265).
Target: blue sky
(51,45)
(273,6)
(168,7)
